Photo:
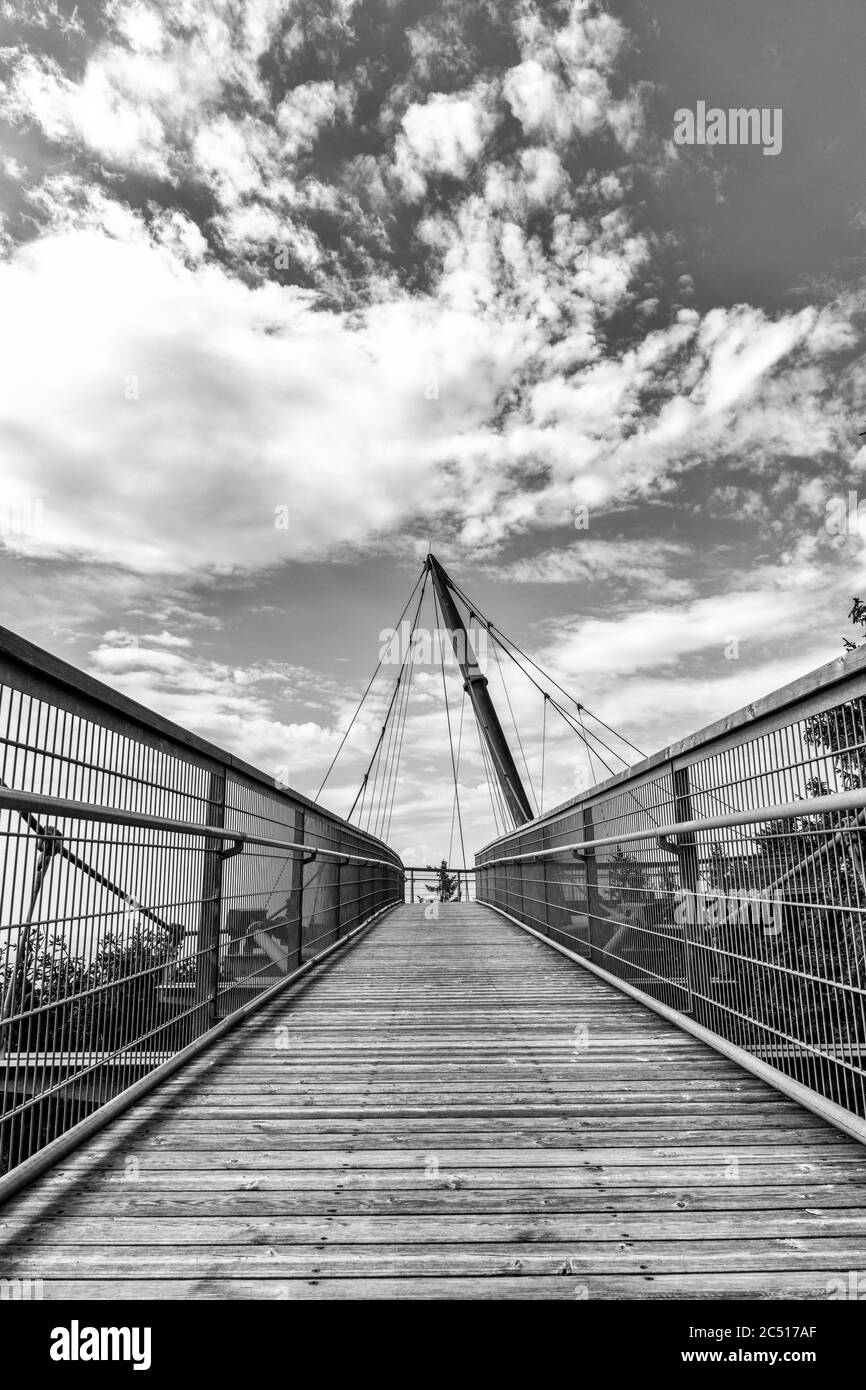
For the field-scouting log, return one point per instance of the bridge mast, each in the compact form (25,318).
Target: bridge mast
(475,683)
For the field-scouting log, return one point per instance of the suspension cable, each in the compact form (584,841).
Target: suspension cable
(387,726)
(403,715)
(387,756)
(493,629)
(422,576)
(588,749)
(583,733)
(459,748)
(493,787)
(378,747)
(514,721)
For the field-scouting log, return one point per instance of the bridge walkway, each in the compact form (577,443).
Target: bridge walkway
(451,1109)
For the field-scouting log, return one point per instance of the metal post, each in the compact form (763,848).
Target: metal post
(545,878)
(303,861)
(339,911)
(593,902)
(339,908)
(687,859)
(207,967)
(295,903)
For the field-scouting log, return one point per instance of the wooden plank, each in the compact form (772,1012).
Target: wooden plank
(268,1196)
(203,1174)
(394,1260)
(640,1229)
(752,1286)
(788,1160)
(665,1213)
(282,1134)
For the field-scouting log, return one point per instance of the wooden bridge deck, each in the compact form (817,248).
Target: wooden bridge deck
(451,1110)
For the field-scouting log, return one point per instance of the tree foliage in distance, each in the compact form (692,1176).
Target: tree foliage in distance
(92,1006)
(101,1004)
(445,886)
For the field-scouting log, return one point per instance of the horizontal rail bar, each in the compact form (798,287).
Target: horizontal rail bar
(82,810)
(426,869)
(788,810)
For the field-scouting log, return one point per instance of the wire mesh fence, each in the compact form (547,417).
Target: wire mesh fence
(124,939)
(755,930)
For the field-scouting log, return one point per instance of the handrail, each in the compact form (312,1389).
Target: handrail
(788,810)
(82,810)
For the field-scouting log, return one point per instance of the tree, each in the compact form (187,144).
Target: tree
(101,1004)
(858,619)
(445,886)
(64,1003)
(627,878)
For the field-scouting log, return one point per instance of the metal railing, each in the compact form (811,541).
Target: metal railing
(422,887)
(151,888)
(725,879)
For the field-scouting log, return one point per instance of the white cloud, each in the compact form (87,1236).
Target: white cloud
(631,562)
(561,88)
(150,101)
(230,707)
(226,150)
(141,26)
(165,412)
(443,135)
(307,109)
(93,111)
(544,174)
(657,636)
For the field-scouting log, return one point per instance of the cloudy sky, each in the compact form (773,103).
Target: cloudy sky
(428,273)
